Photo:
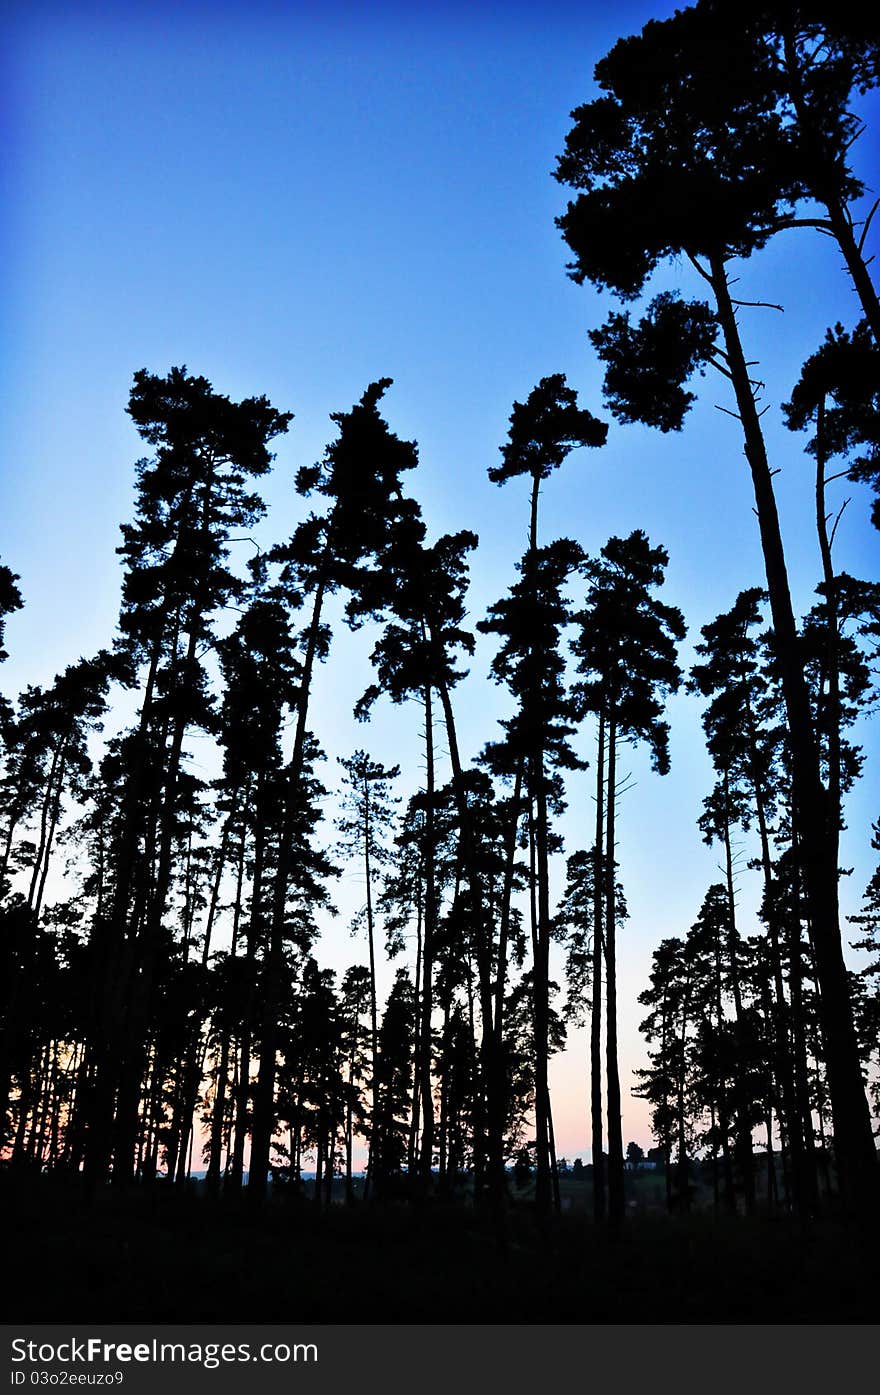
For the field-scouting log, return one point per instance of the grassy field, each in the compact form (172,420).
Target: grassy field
(160,1256)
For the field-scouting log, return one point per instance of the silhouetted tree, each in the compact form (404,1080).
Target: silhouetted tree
(664,1084)
(423,589)
(360,476)
(682,155)
(626,651)
(543,432)
(808,63)
(531,621)
(190,498)
(635,1156)
(390,1126)
(867,921)
(10,601)
(355,1043)
(365,825)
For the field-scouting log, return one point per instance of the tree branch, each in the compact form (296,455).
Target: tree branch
(761,304)
(836,522)
(721,369)
(697,267)
(868,222)
(820,224)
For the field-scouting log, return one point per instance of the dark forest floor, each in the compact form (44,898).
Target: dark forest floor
(159,1256)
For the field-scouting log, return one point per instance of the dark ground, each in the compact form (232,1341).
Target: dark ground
(171,1257)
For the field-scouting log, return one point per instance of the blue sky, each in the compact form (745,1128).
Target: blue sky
(296,200)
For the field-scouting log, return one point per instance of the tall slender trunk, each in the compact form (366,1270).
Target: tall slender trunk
(720,1084)
(498,1096)
(854,1141)
(714,1128)
(48,821)
(483,953)
(803,1183)
(16,1008)
(455,1120)
(350,1097)
(844,233)
(423,1066)
(443,1131)
(134,1044)
(539,1013)
(112,951)
(533,514)
(349,1149)
(542,1004)
(134,1050)
(218,1112)
(412,1156)
(666,1140)
(264,1098)
(616,1198)
(680,1112)
(319,1165)
(242,1090)
(799,1029)
(551,1149)
(193,1059)
(219,869)
(597,1133)
(832,609)
(375,1161)
(506,902)
(331,1160)
(744,1150)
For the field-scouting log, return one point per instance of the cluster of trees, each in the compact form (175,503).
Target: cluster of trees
(715,132)
(169,1005)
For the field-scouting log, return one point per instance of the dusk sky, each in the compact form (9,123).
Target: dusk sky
(296,200)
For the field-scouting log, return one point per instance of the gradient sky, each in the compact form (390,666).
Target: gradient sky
(298,199)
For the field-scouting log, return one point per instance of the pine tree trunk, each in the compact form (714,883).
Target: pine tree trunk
(799,1039)
(218,1111)
(616,1197)
(719,1085)
(745,1152)
(490,1073)
(48,820)
(498,1096)
(543,1195)
(681,1113)
(112,953)
(264,1097)
(854,1143)
(599,1194)
(375,1168)
(147,941)
(412,1157)
(243,1085)
(423,1064)
(844,234)
(789,1119)
(832,608)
